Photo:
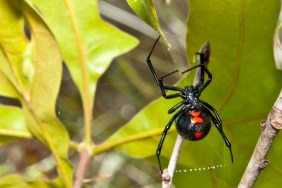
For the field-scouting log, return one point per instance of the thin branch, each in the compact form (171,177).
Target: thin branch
(270,129)
(82,166)
(167,175)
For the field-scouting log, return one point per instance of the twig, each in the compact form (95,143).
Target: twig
(258,161)
(84,160)
(168,173)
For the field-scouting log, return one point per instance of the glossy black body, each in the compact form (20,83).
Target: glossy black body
(193,130)
(192,115)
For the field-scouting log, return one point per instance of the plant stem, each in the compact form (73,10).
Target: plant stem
(167,175)
(83,162)
(258,161)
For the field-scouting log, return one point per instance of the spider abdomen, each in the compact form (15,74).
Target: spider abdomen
(193,125)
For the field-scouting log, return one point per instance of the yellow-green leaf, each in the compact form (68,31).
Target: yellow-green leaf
(12,125)
(87,44)
(13,181)
(32,72)
(13,47)
(146,11)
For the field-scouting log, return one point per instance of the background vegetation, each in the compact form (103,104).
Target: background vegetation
(55,115)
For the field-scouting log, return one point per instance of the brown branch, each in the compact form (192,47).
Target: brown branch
(270,129)
(168,173)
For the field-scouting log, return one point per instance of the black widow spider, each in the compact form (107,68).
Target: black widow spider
(193,120)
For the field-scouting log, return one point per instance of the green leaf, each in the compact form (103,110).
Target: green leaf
(244,87)
(140,128)
(87,44)
(12,125)
(146,11)
(42,119)
(32,72)
(13,47)
(12,181)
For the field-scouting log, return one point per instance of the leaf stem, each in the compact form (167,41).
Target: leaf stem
(97,149)
(167,176)
(86,98)
(258,161)
(85,152)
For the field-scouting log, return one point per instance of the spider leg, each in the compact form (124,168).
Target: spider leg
(175,107)
(149,61)
(159,81)
(218,124)
(171,96)
(205,84)
(166,129)
(202,87)
(201,72)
